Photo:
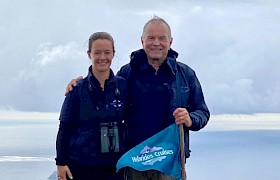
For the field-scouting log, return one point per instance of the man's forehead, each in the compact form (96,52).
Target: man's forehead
(156,23)
(156,28)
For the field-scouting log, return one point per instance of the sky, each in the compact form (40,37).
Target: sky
(233,46)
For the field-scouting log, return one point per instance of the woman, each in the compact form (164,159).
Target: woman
(90,136)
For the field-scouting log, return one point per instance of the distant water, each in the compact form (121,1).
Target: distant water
(27,151)
(235,155)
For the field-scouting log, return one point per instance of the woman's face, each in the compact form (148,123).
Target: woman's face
(101,54)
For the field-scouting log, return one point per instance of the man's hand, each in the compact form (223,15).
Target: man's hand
(72,83)
(182,117)
(63,172)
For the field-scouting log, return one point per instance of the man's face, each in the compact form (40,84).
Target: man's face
(156,41)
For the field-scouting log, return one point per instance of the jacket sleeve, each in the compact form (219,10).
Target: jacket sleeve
(199,112)
(63,137)
(68,114)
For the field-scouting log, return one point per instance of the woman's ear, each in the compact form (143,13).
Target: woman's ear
(88,55)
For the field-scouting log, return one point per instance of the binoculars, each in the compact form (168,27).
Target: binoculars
(109,135)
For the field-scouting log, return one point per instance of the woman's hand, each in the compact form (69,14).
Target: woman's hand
(63,172)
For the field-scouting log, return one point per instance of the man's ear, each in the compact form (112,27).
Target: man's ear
(171,41)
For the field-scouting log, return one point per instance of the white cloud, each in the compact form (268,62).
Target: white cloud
(38,85)
(50,57)
(12,114)
(53,54)
(232,45)
(223,122)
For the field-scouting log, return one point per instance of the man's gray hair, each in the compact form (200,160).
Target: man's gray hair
(157,19)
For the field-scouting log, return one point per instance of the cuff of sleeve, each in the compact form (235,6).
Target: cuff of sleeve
(59,162)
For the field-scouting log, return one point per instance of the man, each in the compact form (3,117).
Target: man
(160,91)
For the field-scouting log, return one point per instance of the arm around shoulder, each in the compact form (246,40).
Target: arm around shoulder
(124,71)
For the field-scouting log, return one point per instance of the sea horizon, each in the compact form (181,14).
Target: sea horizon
(230,148)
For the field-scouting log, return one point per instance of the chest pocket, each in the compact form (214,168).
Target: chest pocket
(184,93)
(180,91)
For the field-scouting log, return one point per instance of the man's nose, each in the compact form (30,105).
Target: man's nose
(156,41)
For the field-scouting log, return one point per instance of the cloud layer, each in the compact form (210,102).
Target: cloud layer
(234,47)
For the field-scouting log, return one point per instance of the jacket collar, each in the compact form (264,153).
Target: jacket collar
(139,61)
(92,79)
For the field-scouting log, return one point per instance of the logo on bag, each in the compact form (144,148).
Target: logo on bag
(151,155)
